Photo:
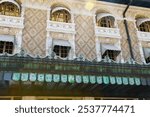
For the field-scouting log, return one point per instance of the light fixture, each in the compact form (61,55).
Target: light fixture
(89,5)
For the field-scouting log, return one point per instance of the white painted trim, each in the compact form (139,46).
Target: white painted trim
(60,8)
(101,15)
(7,38)
(142,20)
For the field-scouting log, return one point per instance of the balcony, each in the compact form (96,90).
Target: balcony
(107,32)
(144,36)
(60,27)
(10,21)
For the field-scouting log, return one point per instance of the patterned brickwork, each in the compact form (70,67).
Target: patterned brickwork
(85,37)
(124,42)
(134,41)
(34,33)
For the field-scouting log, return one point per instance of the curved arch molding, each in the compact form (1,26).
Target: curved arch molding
(11,1)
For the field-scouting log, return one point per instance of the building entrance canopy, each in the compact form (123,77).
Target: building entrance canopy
(44,76)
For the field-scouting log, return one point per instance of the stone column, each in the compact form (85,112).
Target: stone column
(98,49)
(48,38)
(18,42)
(72,17)
(72,54)
(141,52)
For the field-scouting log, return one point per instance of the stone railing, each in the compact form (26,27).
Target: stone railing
(145,36)
(60,27)
(10,21)
(107,32)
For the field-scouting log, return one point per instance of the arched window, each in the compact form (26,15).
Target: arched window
(9,9)
(104,19)
(145,27)
(60,14)
(106,22)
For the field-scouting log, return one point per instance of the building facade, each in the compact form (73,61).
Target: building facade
(73,49)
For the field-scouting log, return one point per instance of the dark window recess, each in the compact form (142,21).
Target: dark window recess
(6,47)
(148,60)
(61,51)
(111,54)
(61,16)
(145,27)
(106,22)
(9,9)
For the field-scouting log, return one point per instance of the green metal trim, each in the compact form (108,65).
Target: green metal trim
(41,77)
(137,81)
(125,81)
(85,79)
(112,80)
(99,79)
(24,77)
(131,81)
(32,77)
(75,79)
(78,79)
(71,79)
(63,78)
(48,77)
(106,79)
(119,80)
(16,76)
(56,78)
(92,79)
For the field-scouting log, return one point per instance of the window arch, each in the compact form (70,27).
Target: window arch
(143,23)
(9,8)
(105,20)
(60,14)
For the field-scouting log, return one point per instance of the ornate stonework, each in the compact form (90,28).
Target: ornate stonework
(85,37)
(57,35)
(34,33)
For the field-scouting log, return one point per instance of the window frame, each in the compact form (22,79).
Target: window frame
(66,16)
(106,22)
(6,9)
(62,50)
(4,49)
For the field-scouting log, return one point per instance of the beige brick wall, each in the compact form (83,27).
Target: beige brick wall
(134,41)
(34,33)
(85,37)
